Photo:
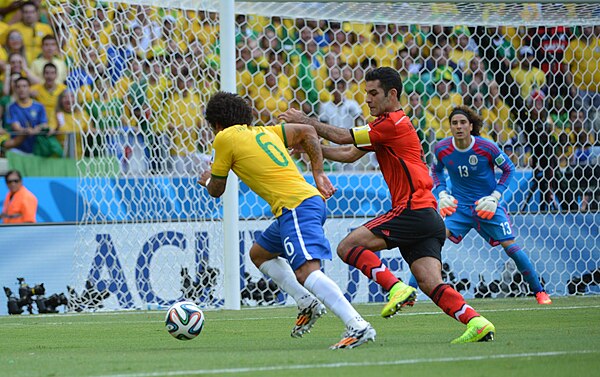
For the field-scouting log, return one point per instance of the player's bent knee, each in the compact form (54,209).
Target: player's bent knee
(258,255)
(306,269)
(347,244)
(341,252)
(344,247)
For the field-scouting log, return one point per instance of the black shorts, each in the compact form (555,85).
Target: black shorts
(417,233)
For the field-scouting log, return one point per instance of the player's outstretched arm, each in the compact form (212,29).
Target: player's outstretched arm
(345,153)
(336,134)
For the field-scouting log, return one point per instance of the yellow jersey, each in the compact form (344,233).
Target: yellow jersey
(32,37)
(77,123)
(258,156)
(49,99)
(584,61)
(440,109)
(183,111)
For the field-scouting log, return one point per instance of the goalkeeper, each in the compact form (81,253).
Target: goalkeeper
(470,161)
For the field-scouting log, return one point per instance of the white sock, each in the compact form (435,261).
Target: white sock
(332,297)
(282,274)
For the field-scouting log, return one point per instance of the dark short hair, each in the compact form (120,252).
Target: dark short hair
(471,115)
(49,38)
(23,78)
(389,78)
(49,65)
(11,172)
(27,3)
(228,109)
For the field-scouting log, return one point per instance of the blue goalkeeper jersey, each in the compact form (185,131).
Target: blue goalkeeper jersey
(472,170)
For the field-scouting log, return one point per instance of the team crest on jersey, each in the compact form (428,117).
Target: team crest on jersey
(473,160)
(499,160)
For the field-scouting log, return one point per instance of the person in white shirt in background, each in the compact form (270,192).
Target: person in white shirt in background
(343,112)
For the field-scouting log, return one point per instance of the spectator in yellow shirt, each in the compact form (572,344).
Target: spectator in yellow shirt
(382,48)
(342,47)
(156,93)
(583,58)
(31,29)
(274,97)
(9,10)
(183,117)
(244,79)
(7,142)
(461,53)
(50,54)
(172,41)
(528,77)
(442,102)
(13,45)
(95,36)
(357,91)
(502,130)
(475,78)
(72,124)
(17,66)
(47,93)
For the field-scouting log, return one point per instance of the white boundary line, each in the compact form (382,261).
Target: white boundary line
(403,314)
(350,364)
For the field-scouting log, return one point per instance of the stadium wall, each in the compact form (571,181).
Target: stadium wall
(135,277)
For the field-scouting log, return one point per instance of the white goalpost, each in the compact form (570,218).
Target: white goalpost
(142,70)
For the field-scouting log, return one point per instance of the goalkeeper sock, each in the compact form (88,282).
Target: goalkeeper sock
(371,266)
(525,267)
(282,274)
(452,303)
(332,297)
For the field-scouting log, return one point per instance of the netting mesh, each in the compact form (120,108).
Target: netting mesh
(141,72)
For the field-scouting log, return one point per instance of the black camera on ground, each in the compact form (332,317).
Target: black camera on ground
(202,287)
(90,299)
(49,305)
(33,295)
(450,278)
(580,285)
(260,292)
(14,304)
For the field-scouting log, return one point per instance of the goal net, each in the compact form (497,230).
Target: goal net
(141,71)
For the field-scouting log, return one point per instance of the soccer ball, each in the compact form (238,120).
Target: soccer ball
(184,320)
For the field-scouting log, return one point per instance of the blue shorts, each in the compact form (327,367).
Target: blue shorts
(494,231)
(298,233)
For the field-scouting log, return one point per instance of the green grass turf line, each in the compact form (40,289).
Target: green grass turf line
(532,340)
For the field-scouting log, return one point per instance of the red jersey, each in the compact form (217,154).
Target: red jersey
(396,144)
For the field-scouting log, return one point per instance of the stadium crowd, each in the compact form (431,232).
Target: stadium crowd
(134,78)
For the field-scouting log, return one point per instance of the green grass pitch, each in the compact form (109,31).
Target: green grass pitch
(558,340)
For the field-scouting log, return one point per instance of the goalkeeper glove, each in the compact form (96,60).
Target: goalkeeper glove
(447,204)
(486,206)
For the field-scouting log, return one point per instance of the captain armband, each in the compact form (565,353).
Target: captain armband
(361,136)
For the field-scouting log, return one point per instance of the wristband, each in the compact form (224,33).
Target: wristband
(207,182)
